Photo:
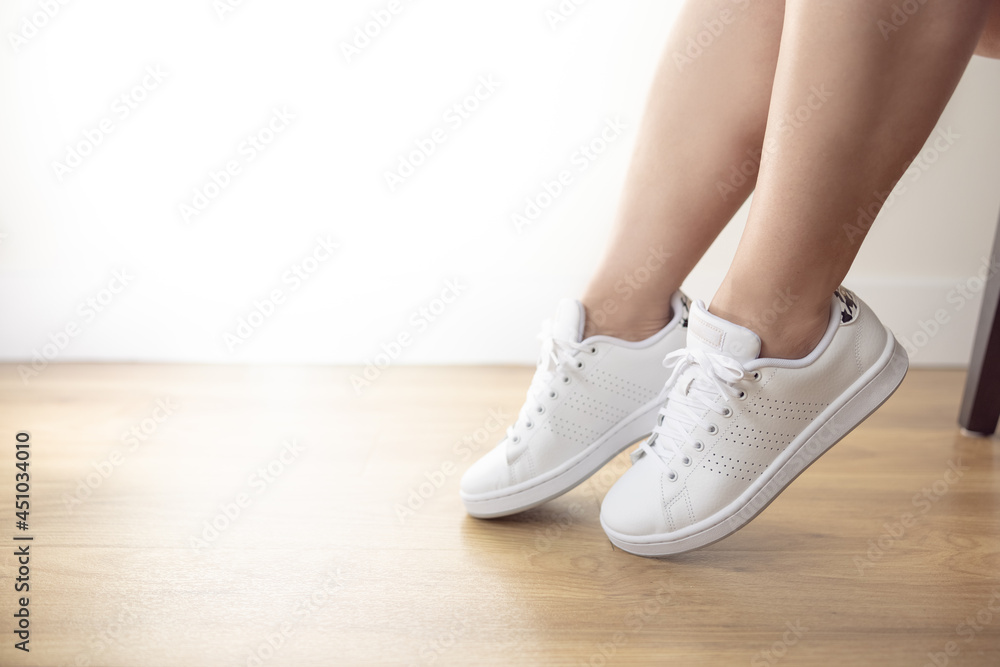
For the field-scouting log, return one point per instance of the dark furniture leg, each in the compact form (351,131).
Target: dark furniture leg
(981,402)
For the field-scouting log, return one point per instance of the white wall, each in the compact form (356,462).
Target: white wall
(191,282)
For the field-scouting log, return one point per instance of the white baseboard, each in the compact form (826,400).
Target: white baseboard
(494,324)
(934,320)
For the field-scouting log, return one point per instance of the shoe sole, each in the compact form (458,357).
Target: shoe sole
(860,400)
(571,474)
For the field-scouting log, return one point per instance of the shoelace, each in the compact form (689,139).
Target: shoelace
(557,356)
(695,385)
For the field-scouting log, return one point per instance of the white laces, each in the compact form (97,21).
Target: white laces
(699,379)
(556,364)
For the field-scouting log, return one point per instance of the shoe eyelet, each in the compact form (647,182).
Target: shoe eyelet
(686,461)
(698,445)
(530,425)
(712,429)
(553,395)
(579,365)
(743,396)
(593,350)
(540,409)
(565,379)
(728,412)
(672,476)
(516,439)
(756,376)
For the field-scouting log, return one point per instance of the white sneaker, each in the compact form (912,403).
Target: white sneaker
(588,401)
(736,430)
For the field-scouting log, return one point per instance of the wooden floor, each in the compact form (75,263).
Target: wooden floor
(339,537)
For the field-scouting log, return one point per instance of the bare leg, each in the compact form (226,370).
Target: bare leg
(989,42)
(875,99)
(705,116)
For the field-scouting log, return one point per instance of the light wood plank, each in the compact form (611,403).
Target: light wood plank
(322,549)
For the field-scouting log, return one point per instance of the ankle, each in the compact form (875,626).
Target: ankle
(789,335)
(793,341)
(630,327)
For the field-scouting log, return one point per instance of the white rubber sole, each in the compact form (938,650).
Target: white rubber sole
(571,474)
(861,399)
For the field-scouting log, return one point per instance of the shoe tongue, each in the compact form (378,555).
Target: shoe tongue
(568,321)
(714,334)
